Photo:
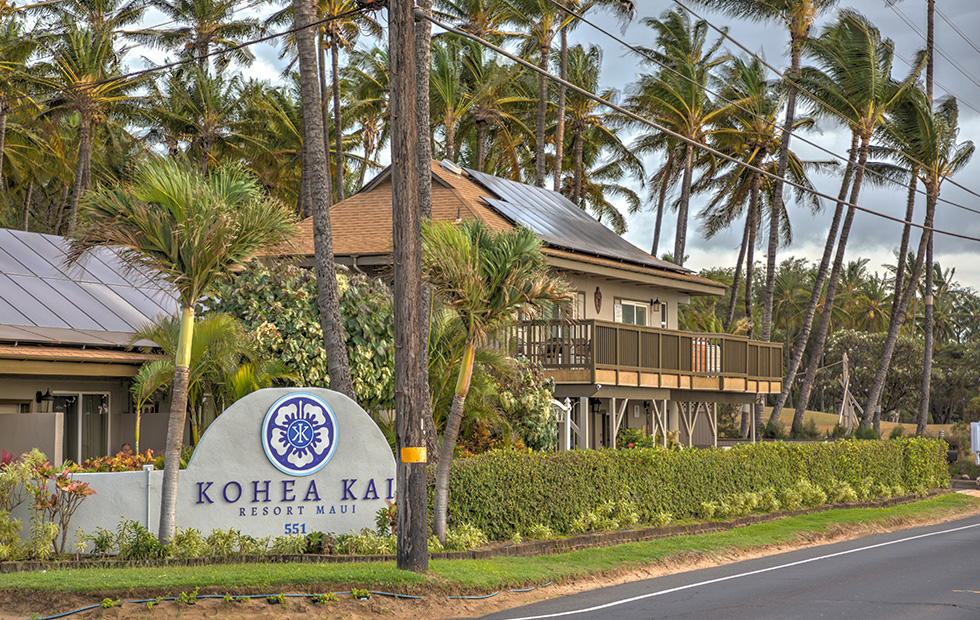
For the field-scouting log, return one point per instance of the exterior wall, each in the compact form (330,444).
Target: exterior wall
(22,432)
(612,290)
(43,429)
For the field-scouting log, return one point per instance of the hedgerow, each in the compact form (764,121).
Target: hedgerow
(509,491)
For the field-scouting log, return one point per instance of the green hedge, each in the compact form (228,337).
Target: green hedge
(504,492)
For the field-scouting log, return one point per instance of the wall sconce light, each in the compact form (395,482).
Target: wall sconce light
(598,299)
(43,398)
(595,404)
(655,302)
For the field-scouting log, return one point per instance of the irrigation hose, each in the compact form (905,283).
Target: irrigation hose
(268,596)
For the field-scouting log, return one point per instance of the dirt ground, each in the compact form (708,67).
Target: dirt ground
(433,606)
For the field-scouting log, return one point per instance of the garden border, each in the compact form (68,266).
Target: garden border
(553,546)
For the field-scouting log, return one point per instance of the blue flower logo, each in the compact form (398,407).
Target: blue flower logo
(299,434)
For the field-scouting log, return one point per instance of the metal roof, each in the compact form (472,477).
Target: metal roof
(559,223)
(97,301)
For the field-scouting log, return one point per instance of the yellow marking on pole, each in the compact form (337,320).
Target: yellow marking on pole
(414,455)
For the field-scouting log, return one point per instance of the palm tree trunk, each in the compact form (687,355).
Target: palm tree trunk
(450,126)
(175,427)
(338,130)
(661,200)
(799,346)
(451,431)
(577,192)
(481,145)
(874,393)
(328,299)
(539,171)
(27,204)
(3,137)
(680,238)
(904,247)
(737,278)
(820,339)
(777,206)
(560,126)
(325,112)
(81,167)
(750,260)
(927,329)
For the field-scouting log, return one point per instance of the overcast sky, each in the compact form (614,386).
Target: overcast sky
(871,237)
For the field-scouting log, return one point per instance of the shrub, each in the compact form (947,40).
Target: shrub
(897,431)
(138,543)
(507,491)
(629,438)
(465,537)
(188,543)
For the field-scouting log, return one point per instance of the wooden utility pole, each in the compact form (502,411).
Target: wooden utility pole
(413,553)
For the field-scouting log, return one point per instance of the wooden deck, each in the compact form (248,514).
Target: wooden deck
(599,352)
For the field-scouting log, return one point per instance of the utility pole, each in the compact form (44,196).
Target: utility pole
(413,552)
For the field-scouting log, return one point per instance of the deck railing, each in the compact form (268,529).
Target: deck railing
(592,345)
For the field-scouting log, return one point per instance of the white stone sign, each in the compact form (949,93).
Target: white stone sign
(279,461)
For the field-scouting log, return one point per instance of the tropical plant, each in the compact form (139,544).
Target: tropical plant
(487,278)
(190,230)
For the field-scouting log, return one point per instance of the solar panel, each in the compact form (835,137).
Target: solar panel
(560,224)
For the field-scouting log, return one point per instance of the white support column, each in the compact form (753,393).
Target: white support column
(583,423)
(611,423)
(616,415)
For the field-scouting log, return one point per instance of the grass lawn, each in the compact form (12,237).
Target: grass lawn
(476,576)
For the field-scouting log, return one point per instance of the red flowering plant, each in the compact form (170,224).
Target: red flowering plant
(57,496)
(121,461)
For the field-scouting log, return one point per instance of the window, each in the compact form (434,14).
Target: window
(630,312)
(663,315)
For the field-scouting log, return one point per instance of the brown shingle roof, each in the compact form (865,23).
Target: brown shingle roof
(361,225)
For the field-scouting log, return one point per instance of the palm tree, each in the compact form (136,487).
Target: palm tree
(941,156)
(799,17)
(487,278)
(450,94)
(486,19)
(341,33)
(85,71)
(539,21)
(15,50)
(587,124)
(203,26)
(316,175)
(367,82)
(676,97)
(190,230)
(853,85)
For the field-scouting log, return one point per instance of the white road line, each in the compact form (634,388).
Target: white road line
(748,574)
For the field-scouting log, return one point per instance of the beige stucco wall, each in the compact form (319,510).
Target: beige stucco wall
(612,290)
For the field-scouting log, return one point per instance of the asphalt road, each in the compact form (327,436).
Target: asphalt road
(930,572)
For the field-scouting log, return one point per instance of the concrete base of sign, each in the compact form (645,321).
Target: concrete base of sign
(234,479)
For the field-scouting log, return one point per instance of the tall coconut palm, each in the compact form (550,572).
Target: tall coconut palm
(799,17)
(450,98)
(852,84)
(590,123)
(203,26)
(625,10)
(367,82)
(487,19)
(941,156)
(86,74)
(190,230)
(316,174)
(341,33)
(538,22)
(676,97)
(487,278)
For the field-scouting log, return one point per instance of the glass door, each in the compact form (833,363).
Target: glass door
(95,425)
(86,425)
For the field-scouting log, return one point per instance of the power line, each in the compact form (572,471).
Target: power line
(420,14)
(811,95)
(905,18)
(226,50)
(957,30)
(781,129)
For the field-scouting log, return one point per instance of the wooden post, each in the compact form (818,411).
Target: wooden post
(413,553)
